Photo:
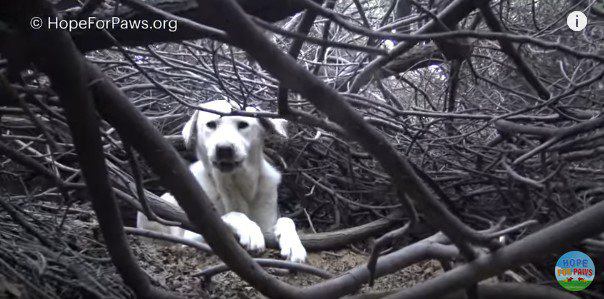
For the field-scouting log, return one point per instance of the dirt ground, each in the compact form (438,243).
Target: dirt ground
(174,268)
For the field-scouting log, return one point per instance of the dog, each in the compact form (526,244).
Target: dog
(240,182)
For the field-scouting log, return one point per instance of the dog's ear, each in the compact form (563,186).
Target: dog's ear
(189,131)
(274,125)
(280,126)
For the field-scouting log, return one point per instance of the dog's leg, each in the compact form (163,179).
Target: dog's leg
(189,235)
(249,233)
(265,212)
(143,222)
(289,241)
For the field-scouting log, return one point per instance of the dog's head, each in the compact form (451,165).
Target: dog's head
(226,142)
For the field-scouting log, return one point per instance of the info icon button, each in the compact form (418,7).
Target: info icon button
(576,20)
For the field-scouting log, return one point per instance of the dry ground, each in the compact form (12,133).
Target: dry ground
(173,267)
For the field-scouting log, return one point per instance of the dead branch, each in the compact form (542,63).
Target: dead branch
(268,263)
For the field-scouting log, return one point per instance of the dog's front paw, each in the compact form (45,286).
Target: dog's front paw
(251,237)
(249,233)
(292,249)
(289,242)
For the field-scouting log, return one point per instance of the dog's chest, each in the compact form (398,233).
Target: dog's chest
(237,187)
(237,192)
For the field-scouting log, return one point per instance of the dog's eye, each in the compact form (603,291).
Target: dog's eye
(242,125)
(211,124)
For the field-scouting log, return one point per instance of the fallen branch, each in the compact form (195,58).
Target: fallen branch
(156,235)
(267,263)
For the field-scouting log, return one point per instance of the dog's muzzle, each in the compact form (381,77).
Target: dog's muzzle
(225,158)
(226,166)
(225,152)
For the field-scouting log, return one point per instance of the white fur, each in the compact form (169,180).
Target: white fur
(250,234)
(289,242)
(143,222)
(246,195)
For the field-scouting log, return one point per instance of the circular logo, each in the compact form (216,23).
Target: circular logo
(576,21)
(575,271)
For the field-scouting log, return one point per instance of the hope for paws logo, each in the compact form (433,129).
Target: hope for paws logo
(575,271)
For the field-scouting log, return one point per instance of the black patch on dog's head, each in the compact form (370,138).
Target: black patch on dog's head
(266,124)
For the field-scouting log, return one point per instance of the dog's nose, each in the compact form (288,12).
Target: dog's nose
(225,152)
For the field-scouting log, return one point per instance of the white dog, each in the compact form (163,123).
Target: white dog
(234,173)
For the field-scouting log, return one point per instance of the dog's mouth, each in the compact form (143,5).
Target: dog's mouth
(226,166)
